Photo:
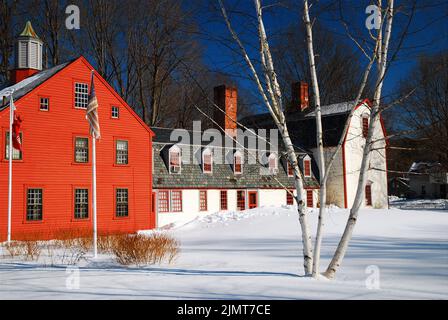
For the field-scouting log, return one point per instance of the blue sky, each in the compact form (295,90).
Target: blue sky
(427,32)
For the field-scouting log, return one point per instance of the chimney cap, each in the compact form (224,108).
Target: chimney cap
(29,31)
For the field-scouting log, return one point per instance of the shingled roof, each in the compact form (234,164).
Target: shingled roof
(302,125)
(192,176)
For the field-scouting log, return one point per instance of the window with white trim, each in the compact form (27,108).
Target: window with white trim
(237,163)
(44,104)
(174,160)
(121,149)
(16,154)
(81,150)
(115,112)
(273,163)
(81,203)
(307,167)
(81,95)
(207,161)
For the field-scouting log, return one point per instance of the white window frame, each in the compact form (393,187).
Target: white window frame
(204,153)
(274,170)
(305,159)
(115,112)
(235,155)
(174,149)
(81,97)
(44,103)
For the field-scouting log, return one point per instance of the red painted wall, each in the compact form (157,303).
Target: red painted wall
(48,160)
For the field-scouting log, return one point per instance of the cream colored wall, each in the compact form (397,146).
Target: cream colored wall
(376,175)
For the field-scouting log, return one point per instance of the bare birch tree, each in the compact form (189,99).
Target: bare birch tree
(272,97)
(382,45)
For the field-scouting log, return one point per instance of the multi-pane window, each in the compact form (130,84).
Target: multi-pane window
(176,201)
(203,200)
(174,159)
(207,162)
(81,203)
(307,168)
(365,126)
(290,169)
(163,201)
(34,205)
(122,152)
(115,112)
(16,154)
(44,104)
(81,95)
(122,207)
(223,200)
(241,200)
(82,150)
(309,198)
(237,164)
(368,195)
(273,165)
(289,198)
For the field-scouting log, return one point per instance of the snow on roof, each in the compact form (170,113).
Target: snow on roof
(336,108)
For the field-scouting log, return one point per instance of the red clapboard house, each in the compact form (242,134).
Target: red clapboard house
(52,175)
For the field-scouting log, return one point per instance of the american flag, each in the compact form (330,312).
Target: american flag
(92,112)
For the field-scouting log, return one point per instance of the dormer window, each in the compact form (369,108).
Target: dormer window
(207,161)
(237,163)
(175,160)
(273,163)
(307,167)
(290,169)
(365,125)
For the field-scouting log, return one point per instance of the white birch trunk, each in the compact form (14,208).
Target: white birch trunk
(273,101)
(374,117)
(319,141)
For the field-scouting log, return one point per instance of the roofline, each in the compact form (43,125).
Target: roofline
(6,107)
(109,87)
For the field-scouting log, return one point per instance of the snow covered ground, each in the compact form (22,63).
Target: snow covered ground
(256,254)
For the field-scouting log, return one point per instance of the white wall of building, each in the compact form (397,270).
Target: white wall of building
(377,174)
(190,203)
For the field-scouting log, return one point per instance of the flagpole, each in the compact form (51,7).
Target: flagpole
(11,119)
(95,231)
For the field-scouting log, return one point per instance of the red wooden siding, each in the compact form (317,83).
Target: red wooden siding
(48,159)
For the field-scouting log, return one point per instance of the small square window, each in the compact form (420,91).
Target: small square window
(44,104)
(115,111)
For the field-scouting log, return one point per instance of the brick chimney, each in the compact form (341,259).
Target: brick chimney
(28,55)
(299,95)
(226,98)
